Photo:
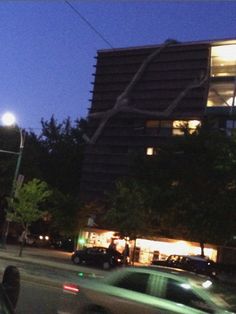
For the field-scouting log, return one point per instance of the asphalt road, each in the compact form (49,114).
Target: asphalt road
(38,299)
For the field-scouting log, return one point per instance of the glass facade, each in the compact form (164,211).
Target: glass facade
(222,90)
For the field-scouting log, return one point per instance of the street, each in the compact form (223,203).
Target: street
(43,271)
(37,298)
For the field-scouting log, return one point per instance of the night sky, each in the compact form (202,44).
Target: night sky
(47,51)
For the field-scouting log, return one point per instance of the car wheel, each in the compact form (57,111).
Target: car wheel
(106,265)
(76,260)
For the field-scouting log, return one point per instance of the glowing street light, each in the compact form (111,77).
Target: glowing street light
(8,119)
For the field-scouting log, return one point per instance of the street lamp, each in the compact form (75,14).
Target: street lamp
(8,119)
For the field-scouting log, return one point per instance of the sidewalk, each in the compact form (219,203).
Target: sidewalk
(45,266)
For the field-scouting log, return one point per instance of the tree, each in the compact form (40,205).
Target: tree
(195,176)
(64,211)
(128,212)
(9,142)
(26,206)
(53,155)
(63,153)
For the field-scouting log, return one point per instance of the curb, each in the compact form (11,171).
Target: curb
(87,273)
(42,263)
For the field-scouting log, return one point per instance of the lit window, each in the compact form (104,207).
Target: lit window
(223,72)
(180,125)
(223,60)
(221,94)
(151,151)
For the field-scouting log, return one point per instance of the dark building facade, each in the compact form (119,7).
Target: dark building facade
(143,95)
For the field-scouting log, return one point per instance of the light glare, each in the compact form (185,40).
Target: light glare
(206,284)
(8,119)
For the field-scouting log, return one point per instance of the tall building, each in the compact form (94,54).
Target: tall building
(143,95)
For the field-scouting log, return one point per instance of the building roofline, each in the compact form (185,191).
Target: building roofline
(210,41)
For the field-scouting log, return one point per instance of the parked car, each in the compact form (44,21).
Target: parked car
(37,240)
(198,264)
(98,256)
(153,289)
(63,243)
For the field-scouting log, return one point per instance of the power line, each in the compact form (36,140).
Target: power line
(89,24)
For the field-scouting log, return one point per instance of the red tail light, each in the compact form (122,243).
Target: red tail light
(70,287)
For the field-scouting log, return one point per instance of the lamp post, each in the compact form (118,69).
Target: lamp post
(8,119)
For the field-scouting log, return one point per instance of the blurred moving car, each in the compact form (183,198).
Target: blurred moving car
(9,290)
(98,256)
(194,263)
(149,290)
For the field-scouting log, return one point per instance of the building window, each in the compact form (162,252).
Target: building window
(230,127)
(179,126)
(150,124)
(221,94)
(223,60)
(223,72)
(158,128)
(150,151)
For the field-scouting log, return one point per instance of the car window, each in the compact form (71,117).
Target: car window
(181,293)
(133,281)
(92,251)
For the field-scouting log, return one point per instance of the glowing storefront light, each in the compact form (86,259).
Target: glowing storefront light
(167,248)
(147,249)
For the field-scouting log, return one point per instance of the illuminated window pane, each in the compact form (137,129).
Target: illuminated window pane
(221,94)
(193,124)
(150,151)
(180,125)
(223,60)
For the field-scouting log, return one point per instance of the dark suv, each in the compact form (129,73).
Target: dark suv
(98,256)
(193,263)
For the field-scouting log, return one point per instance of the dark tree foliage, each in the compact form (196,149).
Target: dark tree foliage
(192,186)
(188,190)
(54,156)
(128,210)
(63,153)
(9,141)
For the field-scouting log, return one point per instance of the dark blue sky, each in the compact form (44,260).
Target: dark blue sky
(47,52)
